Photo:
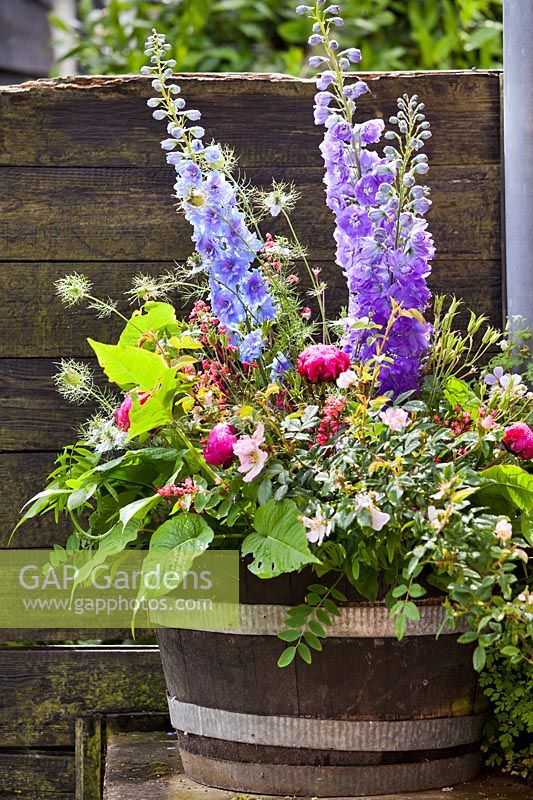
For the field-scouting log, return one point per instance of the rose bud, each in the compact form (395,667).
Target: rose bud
(219,448)
(518,439)
(322,362)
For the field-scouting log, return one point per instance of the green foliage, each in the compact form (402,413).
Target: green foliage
(130,367)
(306,624)
(504,486)
(509,729)
(263,35)
(279,543)
(174,546)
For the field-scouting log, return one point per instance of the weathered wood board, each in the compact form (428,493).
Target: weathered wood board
(43,689)
(84,186)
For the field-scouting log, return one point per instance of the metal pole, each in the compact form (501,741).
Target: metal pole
(518,156)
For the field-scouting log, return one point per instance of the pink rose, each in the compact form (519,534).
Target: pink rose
(518,439)
(122,413)
(322,362)
(219,448)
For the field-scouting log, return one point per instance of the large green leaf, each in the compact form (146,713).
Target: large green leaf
(279,543)
(130,367)
(157,317)
(173,548)
(505,489)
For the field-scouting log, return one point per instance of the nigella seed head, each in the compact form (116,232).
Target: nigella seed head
(146,287)
(74,381)
(103,434)
(73,289)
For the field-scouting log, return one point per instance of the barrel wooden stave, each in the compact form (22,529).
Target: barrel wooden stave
(372,682)
(416,678)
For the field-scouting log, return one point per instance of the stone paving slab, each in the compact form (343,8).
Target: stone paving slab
(146,766)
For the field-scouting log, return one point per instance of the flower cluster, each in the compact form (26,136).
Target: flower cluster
(383,245)
(209,200)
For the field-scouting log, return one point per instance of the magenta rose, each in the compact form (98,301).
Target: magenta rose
(518,439)
(122,413)
(322,362)
(219,448)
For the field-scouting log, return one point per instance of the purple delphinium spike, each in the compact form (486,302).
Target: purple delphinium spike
(383,244)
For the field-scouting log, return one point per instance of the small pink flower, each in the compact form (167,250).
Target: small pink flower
(503,530)
(219,448)
(346,379)
(122,413)
(378,518)
(322,362)
(252,458)
(306,312)
(318,527)
(395,418)
(488,422)
(518,439)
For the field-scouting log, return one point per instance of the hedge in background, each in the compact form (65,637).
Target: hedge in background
(263,36)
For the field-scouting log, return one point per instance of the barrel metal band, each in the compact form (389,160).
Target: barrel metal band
(325,734)
(357,621)
(282,779)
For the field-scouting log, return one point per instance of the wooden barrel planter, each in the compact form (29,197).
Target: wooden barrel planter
(369,716)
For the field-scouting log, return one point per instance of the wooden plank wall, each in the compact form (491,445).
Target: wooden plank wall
(84,186)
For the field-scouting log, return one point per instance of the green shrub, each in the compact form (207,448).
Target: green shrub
(264,36)
(509,730)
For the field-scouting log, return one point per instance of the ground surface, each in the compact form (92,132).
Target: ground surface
(146,766)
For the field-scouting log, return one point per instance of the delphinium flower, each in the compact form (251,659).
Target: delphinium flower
(209,199)
(383,244)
